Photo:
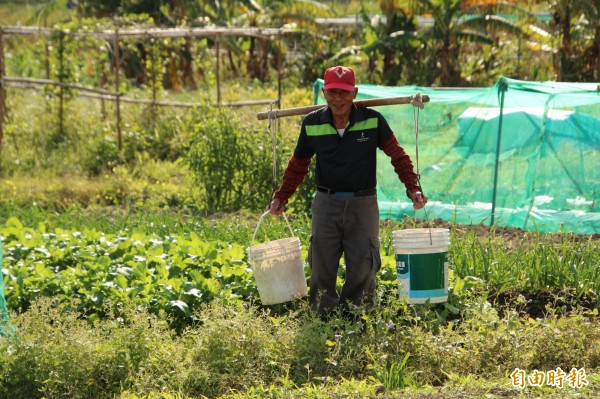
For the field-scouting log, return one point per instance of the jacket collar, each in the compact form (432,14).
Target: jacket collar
(327,115)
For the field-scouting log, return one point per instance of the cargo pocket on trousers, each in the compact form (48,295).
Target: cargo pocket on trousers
(375,255)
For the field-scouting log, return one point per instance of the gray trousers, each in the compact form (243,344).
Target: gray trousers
(348,226)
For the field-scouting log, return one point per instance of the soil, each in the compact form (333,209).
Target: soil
(537,304)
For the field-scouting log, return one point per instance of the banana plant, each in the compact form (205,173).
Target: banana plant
(431,55)
(454,24)
(393,37)
(271,13)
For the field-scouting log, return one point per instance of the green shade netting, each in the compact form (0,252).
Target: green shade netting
(544,175)
(3,309)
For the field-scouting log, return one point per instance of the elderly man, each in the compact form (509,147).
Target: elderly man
(345,213)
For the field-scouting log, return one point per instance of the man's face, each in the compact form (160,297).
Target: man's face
(339,101)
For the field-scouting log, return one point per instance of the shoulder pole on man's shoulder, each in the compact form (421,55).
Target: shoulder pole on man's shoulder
(373,102)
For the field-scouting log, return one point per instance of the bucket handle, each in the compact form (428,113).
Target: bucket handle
(260,220)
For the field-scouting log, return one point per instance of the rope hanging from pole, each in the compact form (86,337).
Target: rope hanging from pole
(272,121)
(416,101)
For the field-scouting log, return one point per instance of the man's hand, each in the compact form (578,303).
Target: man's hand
(419,199)
(276,207)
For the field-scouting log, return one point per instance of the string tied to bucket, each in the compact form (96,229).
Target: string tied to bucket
(417,101)
(260,221)
(272,127)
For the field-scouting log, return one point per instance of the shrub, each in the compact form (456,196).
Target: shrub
(58,354)
(237,348)
(232,166)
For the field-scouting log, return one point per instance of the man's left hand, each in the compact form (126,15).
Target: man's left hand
(276,207)
(419,199)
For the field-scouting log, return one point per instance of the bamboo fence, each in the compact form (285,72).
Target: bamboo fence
(116,36)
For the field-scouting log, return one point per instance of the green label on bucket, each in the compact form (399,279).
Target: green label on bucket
(427,271)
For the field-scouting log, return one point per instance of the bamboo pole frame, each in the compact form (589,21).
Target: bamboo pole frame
(61,95)
(218,70)
(156,33)
(92,92)
(115,36)
(2,89)
(42,82)
(373,102)
(117,62)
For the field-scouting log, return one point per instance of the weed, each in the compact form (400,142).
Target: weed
(244,351)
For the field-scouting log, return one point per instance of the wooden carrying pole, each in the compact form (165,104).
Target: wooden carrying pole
(373,102)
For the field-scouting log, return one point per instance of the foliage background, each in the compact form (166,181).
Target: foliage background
(431,43)
(176,301)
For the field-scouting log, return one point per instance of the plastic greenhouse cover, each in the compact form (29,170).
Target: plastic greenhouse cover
(517,154)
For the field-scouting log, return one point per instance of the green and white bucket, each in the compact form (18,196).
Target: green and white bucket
(422,264)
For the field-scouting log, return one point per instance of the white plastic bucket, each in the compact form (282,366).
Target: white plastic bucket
(422,264)
(278,269)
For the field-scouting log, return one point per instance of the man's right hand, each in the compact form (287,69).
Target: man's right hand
(419,199)
(276,207)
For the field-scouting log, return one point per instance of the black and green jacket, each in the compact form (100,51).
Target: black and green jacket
(345,163)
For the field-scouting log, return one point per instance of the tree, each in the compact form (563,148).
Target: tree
(453,24)
(98,8)
(393,37)
(578,32)
(590,22)
(271,13)
(591,13)
(563,12)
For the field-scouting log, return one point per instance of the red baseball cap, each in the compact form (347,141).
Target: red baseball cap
(339,77)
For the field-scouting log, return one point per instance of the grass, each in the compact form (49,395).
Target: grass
(468,345)
(120,189)
(531,262)
(31,13)
(249,352)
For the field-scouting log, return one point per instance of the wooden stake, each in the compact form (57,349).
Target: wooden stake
(373,102)
(61,88)
(117,61)
(2,90)
(218,73)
